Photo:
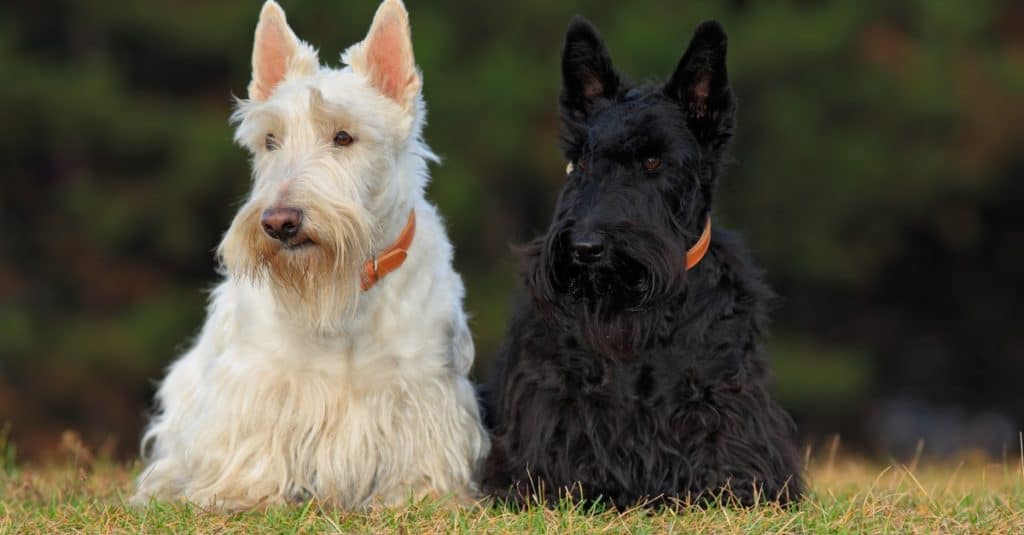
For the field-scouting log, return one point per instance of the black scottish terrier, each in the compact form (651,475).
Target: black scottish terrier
(625,377)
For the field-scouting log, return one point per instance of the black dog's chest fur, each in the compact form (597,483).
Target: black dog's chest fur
(685,417)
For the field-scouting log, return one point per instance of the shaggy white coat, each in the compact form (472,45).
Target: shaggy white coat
(300,385)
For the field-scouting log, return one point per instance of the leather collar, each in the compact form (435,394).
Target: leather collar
(696,253)
(391,258)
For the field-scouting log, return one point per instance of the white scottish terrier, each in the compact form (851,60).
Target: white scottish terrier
(333,363)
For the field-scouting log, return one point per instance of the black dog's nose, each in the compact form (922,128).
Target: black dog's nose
(588,249)
(282,223)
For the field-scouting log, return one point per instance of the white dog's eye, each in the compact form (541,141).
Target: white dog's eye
(343,139)
(270,142)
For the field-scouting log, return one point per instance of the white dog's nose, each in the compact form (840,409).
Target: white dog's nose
(282,223)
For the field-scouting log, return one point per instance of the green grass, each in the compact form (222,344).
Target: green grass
(847,497)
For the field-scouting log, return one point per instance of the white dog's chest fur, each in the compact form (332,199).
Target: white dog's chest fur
(259,411)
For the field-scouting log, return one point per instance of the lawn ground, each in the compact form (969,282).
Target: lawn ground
(847,496)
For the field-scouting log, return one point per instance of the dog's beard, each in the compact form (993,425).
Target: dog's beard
(315,284)
(613,305)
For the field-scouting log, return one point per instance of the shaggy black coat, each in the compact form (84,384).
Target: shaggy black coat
(625,377)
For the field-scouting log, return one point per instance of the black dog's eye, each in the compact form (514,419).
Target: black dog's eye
(582,165)
(652,164)
(270,142)
(343,139)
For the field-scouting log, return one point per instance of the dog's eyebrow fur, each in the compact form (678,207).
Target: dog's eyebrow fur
(632,142)
(255,120)
(328,114)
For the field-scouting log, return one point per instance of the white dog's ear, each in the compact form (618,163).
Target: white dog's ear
(385,57)
(276,52)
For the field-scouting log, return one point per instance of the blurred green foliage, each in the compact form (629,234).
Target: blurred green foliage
(8,451)
(863,126)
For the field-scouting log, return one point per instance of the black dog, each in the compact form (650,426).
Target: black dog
(624,376)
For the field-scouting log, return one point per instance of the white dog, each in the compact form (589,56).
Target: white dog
(333,361)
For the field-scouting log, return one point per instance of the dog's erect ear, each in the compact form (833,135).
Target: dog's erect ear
(701,84)
(587,71)
(276,52)
(385,57)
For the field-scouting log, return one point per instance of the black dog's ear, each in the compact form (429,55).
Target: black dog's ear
(701,84)
(587,71)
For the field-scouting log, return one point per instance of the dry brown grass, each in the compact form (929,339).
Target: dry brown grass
(848,496)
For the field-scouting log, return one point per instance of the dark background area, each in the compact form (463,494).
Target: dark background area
(879,178)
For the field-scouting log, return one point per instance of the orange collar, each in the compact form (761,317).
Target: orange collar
(391,258)
(699,249)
